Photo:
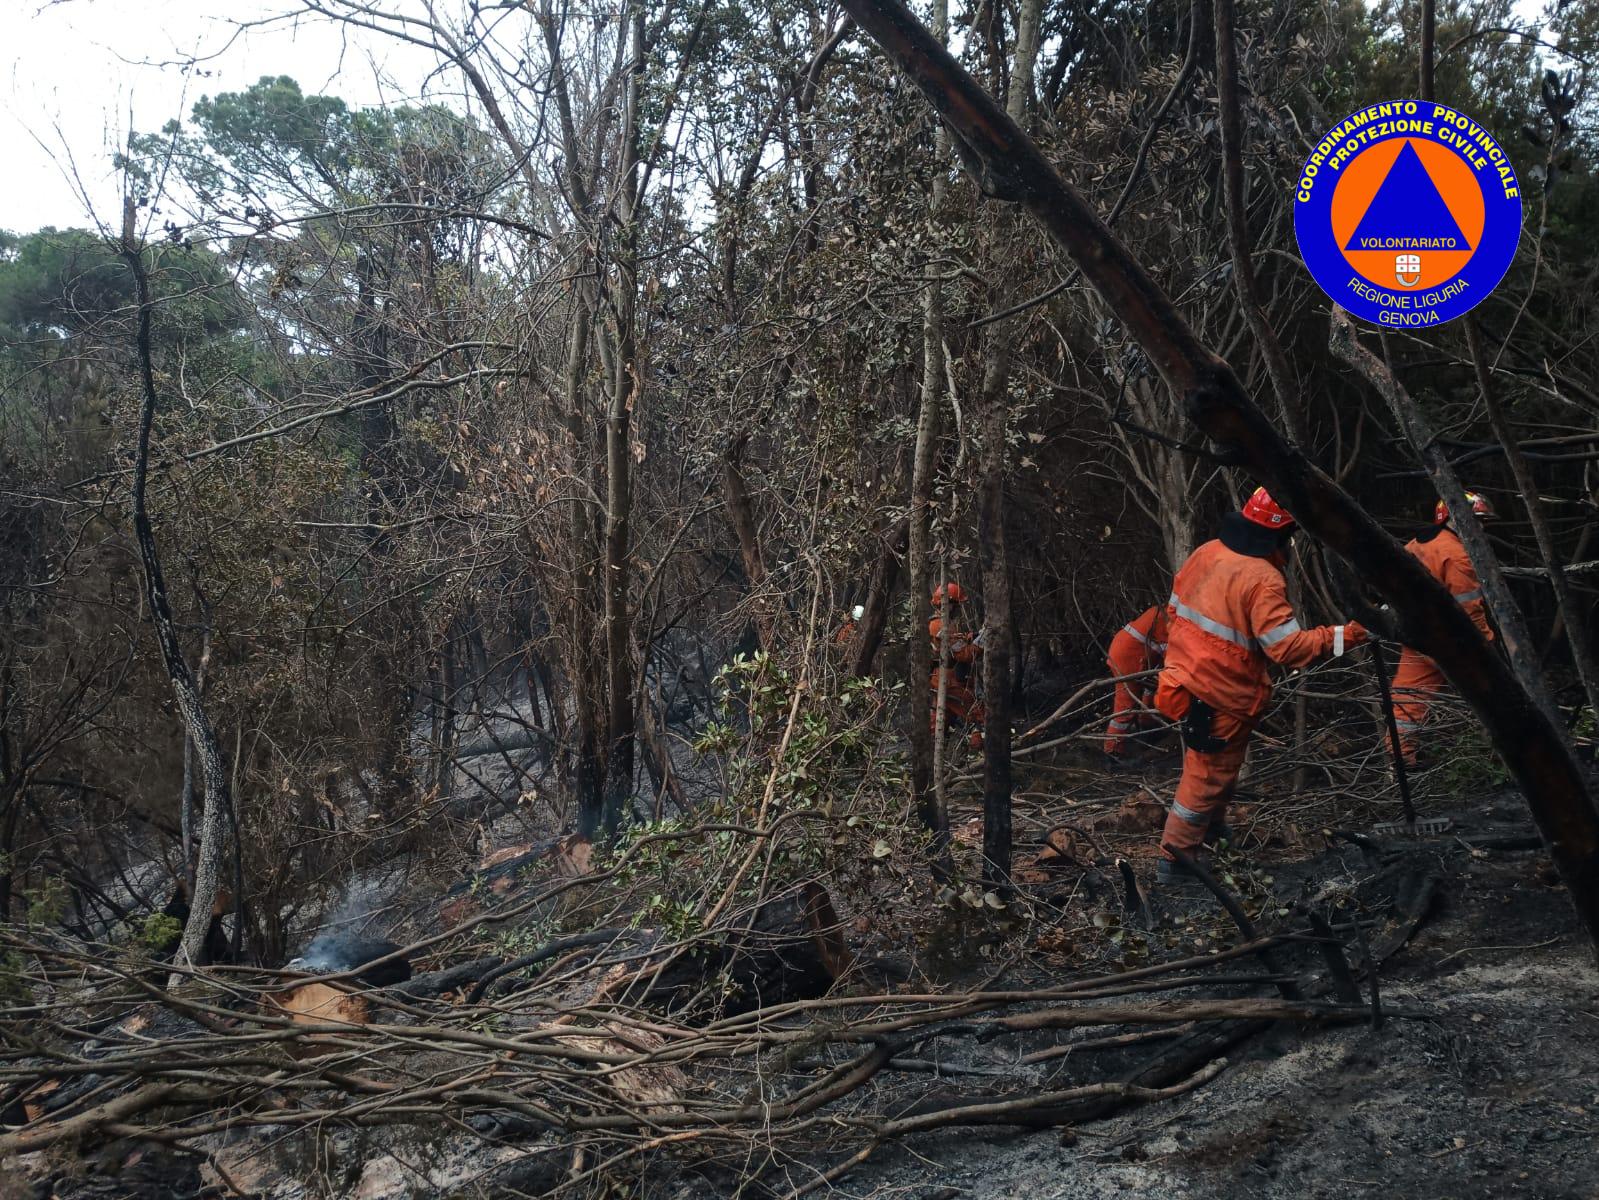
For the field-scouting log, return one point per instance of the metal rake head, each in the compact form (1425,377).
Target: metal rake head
(1423,827)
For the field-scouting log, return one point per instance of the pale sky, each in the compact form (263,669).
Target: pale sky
(74,71)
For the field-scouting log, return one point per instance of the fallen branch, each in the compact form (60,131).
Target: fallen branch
(1173,1012)
(1575,568)
(1234,910)
(1066,706)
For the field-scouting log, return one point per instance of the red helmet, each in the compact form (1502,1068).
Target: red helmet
(952,590)
(1263,510)
(1480,505)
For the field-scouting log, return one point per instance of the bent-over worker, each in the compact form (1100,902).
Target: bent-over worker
(1139,645)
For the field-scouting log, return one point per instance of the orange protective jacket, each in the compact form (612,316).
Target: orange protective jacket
(1148,629)
(1228,616)
(960,700)
(1446,560)
(963,650)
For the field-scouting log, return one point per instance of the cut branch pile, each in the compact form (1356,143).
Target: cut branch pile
(591,1062)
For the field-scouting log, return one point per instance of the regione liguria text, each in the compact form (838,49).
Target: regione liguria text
(1408,213)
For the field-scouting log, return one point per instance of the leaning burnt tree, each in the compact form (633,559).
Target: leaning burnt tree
(1007,165)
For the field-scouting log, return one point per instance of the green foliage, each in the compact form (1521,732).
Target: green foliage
(46,901)
(515,941)
(60,280)
(67,281)
(249,155)
(14,989)
(157,932)
(273,124)
(679,918)
(1468,765)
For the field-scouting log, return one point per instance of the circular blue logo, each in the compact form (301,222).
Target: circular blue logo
(1408,213)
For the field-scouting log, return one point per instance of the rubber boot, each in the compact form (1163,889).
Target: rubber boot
(1169,871)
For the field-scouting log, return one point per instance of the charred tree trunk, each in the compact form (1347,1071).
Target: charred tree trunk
(1565,602)
(1557,624)
(197,723)
(992,553)
(10,820)
(583,672)
(1238,240)
(741,512)
(879,600)
(658,757)
(186,806)
(1507,613)
(626,384)
(1008,165)
(994,562)
(925,796)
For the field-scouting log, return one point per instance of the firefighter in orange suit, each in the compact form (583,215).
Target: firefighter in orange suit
(1418,677)
(961,707)
(846,631)
(1139,645)
(1229,617)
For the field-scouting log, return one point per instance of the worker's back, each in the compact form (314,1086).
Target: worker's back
(1444,555)
(1212,647)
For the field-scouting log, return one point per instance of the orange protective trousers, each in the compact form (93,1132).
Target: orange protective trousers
(1127,657)
(1208,781)
(1417,678)
(960,703)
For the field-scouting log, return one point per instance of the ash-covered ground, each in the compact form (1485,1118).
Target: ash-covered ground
(1492,1090)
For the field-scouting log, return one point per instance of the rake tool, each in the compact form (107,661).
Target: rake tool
(1411,826)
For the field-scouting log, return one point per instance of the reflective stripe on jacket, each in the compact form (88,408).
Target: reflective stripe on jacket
(1228,615)
(1446,560)
(1148,629)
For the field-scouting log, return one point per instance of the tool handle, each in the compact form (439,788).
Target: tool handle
(1393,730)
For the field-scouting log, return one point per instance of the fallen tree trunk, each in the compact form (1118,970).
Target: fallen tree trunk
(451,979)
(1008,165)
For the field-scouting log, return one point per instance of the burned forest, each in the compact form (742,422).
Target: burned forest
(672,599)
